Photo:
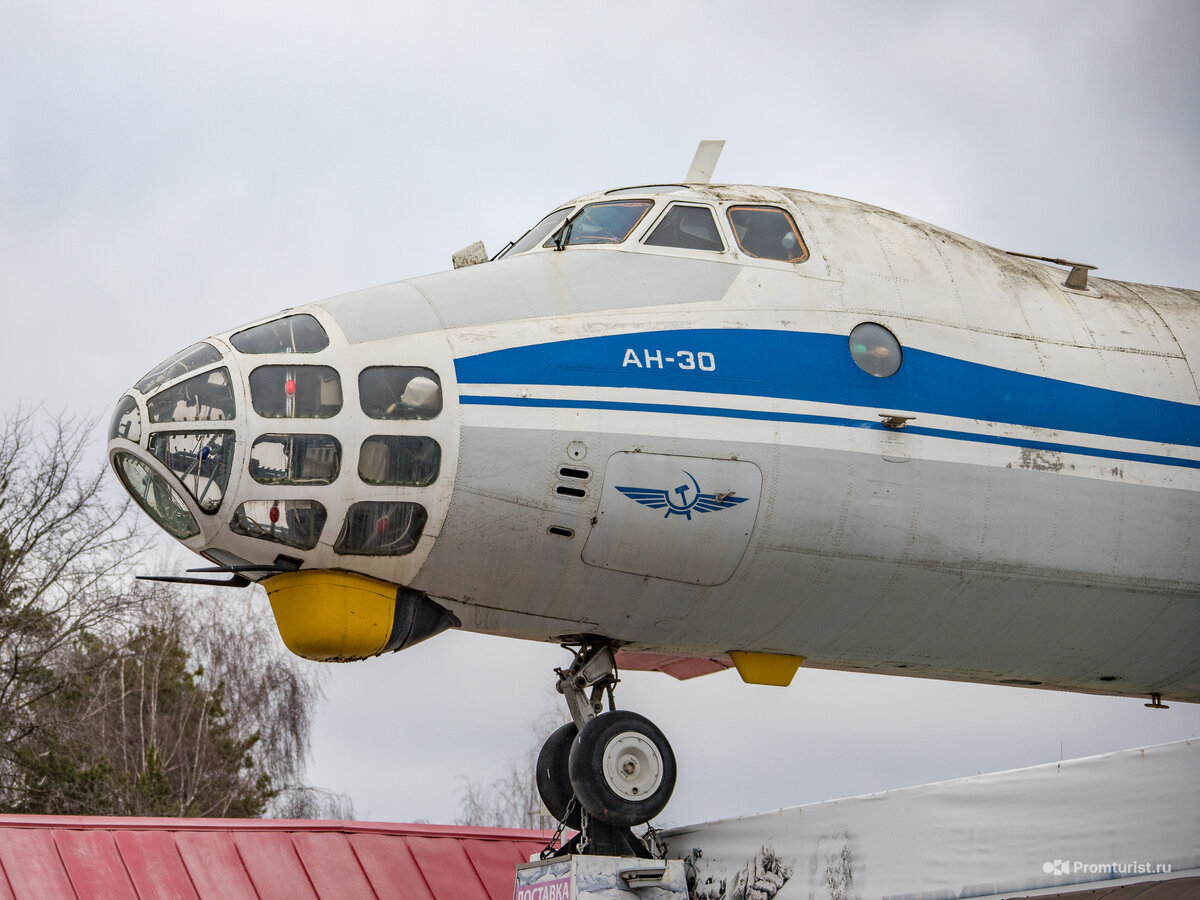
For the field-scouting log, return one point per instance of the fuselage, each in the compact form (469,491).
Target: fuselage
(793,425)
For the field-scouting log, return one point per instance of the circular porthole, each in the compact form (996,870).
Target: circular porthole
(875,350)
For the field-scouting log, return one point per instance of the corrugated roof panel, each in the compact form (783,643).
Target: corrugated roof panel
(214,865)
(443,864)
(81,858)
(94,865)
(6,891)
(332,866)
(495,861)
(274,865)
(390,866)
(31,861)
(153,862)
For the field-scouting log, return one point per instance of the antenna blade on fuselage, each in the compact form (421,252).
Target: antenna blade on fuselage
(704,162)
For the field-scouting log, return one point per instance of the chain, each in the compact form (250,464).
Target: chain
(553,846)
(584,841)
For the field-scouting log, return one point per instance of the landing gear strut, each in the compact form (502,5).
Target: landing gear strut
(603,772)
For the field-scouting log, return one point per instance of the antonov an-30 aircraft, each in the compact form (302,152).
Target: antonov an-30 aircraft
(693,426)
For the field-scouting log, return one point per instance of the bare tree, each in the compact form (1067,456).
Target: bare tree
(118,697)
(311,803)
(64,552)
(510,800)
(195,713)
(142,733)
(268,691)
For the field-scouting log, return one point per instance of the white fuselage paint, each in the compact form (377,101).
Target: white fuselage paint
(1034,521)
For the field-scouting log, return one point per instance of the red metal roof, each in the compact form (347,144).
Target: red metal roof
(51,857)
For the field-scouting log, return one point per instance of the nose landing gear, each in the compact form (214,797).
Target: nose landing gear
(603,772)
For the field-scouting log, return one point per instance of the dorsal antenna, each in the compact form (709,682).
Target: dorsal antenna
(704,162)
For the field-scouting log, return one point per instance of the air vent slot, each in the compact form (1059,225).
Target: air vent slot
(569,472)
(565,490)
(559,531)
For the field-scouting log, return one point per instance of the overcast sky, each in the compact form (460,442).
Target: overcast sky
(168,171)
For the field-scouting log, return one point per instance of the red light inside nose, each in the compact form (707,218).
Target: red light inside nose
(274,514)
(289,387)
(381,524)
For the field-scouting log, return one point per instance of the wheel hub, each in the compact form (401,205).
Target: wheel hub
(632,766)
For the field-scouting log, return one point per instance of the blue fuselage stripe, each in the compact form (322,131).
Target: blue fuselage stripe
(802,418)
(816,367)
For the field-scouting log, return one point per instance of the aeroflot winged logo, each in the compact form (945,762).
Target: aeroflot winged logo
(682,500)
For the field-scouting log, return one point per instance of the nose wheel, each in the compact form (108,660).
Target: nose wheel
(622,769)
(554,779)
(604,771)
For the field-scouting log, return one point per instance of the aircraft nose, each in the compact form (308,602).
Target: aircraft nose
(273,441)
(313,464)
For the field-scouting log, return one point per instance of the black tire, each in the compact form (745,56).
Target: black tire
(553,776)
(622,768)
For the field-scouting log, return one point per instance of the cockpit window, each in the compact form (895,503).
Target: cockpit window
(194,357)
(687,227)
(295,459)
(202,398)
(400,392)
(607,222)
(296,392)
(126,421)
(538,232)
(381,528)
(155,496)
(295,523)
(767,233)
(201,460)
(295,334)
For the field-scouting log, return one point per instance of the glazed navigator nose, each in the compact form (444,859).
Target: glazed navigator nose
(174,430)
(285,454)
(249,436)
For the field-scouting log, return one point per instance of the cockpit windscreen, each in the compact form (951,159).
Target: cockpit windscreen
(607,222)
(687,227)
(538,232)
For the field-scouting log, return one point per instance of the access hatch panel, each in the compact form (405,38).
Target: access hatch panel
(682,518)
